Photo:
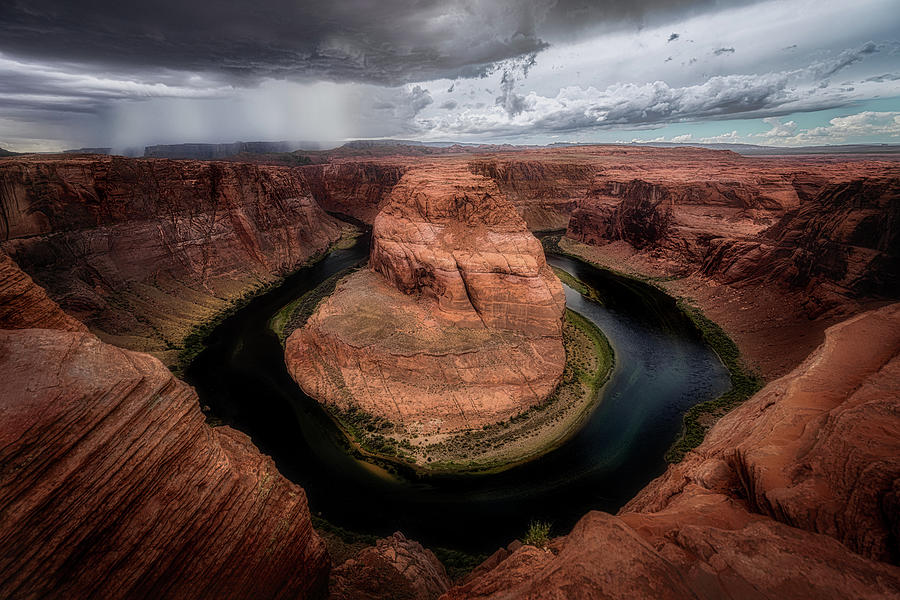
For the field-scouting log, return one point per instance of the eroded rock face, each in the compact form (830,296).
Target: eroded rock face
(636,212)
(818,449)
(543,191)
(142,250)
(450,236)
(791,495)
(24,305)
(113,486)
(356,189)
(833,236)
(394,569)
(457,325)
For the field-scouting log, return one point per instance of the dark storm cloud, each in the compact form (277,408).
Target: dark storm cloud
(385,42)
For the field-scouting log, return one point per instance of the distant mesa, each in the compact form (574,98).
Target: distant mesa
(222,151)
(103,151)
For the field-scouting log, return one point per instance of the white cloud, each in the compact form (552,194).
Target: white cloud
(863,125)
(731,137)
(779,129)
(624,105)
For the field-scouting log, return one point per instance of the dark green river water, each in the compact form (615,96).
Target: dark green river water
(662,369)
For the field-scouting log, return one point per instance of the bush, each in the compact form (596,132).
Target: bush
(538,534)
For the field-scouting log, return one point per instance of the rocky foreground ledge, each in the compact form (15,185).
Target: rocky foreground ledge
(793,495)
(112,485)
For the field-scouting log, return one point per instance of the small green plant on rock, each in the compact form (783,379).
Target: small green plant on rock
(538,534)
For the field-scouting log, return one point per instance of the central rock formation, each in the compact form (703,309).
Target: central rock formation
(458,323)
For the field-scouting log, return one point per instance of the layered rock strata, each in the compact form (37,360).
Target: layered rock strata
(845,242)
(457,324)
(839,237)
(355,189)
(112,484)
(143,250)
(791,495)
(543,191)
(775,254)
(24,305)
(394,569)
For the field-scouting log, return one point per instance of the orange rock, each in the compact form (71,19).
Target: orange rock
(395,568)
(25,305)
(114,486)
(818,449)
(792,495)
(143,250)
(543,191)
(355,189)
(473,336)
(451,236)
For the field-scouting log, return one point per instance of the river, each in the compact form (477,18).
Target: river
(662,369)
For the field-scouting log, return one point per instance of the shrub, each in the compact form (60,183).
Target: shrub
(538,534)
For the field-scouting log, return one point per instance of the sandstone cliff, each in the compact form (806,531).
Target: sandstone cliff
(843,243)
(792,495)
(834,234)
(142,250)
(24,305)
(543,191)
(457,325)
(636,212)
(112,484)
(355,189)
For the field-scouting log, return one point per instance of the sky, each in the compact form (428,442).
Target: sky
(124,74)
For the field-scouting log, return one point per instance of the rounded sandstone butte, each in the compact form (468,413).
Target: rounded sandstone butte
(453,237)
(457,325)
(113,485)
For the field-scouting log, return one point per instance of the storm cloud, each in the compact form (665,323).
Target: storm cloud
(101,73)
(389,42)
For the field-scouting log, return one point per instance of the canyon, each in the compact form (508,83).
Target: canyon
(142,251)
(108,460)
(793,494)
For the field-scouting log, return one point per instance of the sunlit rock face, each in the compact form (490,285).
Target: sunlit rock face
(143,250)
(456,324)
(792,495)
(451,237)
